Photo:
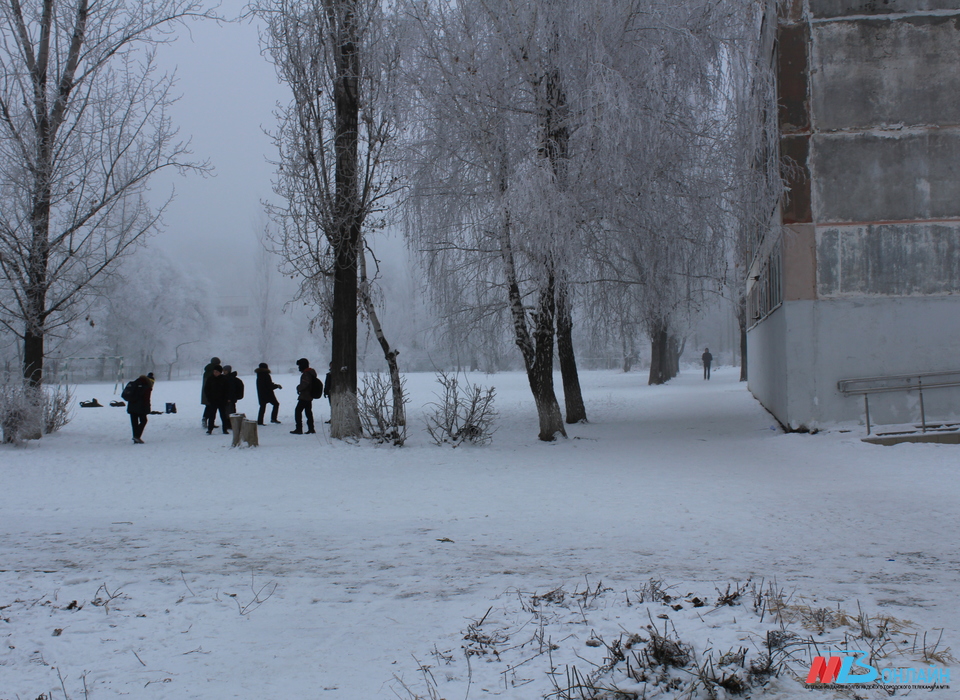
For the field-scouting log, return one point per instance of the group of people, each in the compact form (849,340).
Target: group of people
(222,388)
(219,393)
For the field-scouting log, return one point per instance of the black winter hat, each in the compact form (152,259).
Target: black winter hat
(216,368)
(263,365)
(214,360)
(303,363)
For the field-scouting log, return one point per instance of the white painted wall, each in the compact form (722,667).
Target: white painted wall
(800,352)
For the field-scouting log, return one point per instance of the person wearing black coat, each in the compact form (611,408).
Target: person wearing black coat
(138,404)
(203,387)
(265,395)
(234,389)
(304,397)
(216,393)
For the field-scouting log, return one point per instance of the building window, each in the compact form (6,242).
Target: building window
(766,294)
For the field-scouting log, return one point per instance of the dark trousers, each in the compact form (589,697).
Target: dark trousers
(210,415)
(304,407)
(138,421)
(263,410)
(706,370)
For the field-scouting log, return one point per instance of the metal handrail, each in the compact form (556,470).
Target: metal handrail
(913,382)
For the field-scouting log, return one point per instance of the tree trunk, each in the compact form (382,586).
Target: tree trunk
(540,374)
(345,418)
(537,351)
(658,353)
(344,414)
(572,396)
(742,324)
(389,354)
(675,347)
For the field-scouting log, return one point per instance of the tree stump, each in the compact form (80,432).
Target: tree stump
(236,426)
(250,433)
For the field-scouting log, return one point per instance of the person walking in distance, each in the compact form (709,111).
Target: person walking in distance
(137,395)
(265,394)
(216,391)
(306,392)
(707,359)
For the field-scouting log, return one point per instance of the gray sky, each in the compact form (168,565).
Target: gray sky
(229,92)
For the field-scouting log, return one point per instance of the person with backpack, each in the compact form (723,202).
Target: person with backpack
(309,388)
(216,393)
(234,389)
(137,395)
(265,394)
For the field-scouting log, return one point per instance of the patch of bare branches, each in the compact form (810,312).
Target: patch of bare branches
(463,412)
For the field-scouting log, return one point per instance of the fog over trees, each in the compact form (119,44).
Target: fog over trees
(484,186)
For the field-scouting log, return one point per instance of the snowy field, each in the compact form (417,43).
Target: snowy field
(309,568)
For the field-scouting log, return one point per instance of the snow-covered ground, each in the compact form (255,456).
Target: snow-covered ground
(311,568)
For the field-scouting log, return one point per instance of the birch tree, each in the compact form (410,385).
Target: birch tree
(473,140)
(83,127)
(339,61)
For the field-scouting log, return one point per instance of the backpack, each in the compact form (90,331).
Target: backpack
(238,388)
(316,388)
(129,391)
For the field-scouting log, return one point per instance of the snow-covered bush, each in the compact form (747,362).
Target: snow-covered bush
(463,413)
(28,412)
(377,415)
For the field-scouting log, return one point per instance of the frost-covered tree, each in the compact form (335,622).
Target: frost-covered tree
(151,309)
(490,178)
(666,163)
(340,60)
(83,126)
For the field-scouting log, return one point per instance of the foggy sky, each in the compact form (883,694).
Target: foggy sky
(229,92)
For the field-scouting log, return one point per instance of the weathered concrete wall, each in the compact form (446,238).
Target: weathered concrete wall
(870,115)
(875,72)
(846,8)
(892,259)
(886,177)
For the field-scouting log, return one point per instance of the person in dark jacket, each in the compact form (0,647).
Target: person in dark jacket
(137,394)
(265,395)
(234,389)
(207,371)
(707,359)
(304,397)
(216,392)
(327,385)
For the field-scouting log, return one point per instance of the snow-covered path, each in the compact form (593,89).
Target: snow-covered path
(689,482)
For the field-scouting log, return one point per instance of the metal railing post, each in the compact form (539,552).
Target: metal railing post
(923,413)
(866,406)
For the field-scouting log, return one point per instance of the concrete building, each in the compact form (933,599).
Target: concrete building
(860,276)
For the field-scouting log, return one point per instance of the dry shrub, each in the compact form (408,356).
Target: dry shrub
(464,412)
(27,412)
(375,405)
